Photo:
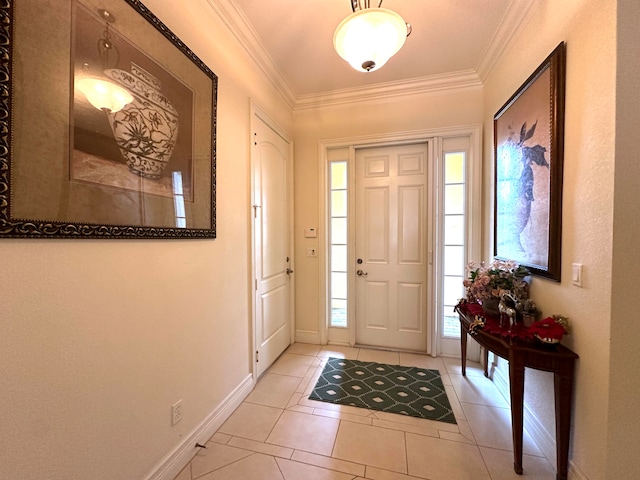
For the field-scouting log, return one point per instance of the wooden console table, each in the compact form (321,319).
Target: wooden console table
(520,354)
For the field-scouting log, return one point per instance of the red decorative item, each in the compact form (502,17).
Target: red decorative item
(550,329)
(492,324)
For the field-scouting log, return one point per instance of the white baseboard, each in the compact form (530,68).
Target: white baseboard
(545,441)
(305,336)
(169,467)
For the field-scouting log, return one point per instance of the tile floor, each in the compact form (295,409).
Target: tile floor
(277,433)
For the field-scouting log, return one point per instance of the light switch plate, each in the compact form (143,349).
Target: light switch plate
(576,274)
(310,232)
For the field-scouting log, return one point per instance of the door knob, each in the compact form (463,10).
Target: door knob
(289,271)
(360,273)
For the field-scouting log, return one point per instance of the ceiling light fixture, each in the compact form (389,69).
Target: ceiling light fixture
(369,37)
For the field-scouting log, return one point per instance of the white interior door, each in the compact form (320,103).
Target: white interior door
(391,247)
(271,159)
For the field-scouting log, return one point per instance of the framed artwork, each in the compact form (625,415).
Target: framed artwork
(109,124)
(528,153)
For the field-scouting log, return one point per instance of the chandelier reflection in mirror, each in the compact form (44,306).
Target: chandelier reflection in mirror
(369,37)
(103,94)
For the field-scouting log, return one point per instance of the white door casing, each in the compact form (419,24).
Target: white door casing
(343,149)
(392,246)
(272,259)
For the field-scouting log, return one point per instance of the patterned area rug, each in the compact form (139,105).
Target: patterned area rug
(412,391)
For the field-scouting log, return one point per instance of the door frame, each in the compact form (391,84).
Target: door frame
(257,112)
(474,232)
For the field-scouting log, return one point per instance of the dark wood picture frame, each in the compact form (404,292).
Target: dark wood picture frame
(65,170)
(528,155)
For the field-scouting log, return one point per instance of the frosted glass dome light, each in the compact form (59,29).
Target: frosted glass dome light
(368,38)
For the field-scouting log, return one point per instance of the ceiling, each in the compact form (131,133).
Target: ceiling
(453,43)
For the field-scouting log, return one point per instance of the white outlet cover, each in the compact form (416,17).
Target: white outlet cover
(176,412)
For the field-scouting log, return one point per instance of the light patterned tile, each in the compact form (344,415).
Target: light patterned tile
(251,421)
(254,467)
(431,431)
(479,390)
(491,427)
(465,435)
(301,409)
(308,383)
(419,422)
(292,364)
(379,356)
(500,465)
(243,446)
(305,432)
(293,401)
(422,361)
(368,445)
(296,471)
(304,349)
(335,407)
(185,474)
(339,351)
(222,438)
(273,390)
(453,365)
(457,409)
(259,447)
(379,474)
(343,416)
(327,462)
(215,456)
(438,459)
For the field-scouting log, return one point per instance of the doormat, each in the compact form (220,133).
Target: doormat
(412,391)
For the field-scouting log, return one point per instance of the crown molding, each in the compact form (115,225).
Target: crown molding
(245,34)
(239,26)
(432,84)
(513,18)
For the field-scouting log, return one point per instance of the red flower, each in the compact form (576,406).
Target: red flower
(549,327)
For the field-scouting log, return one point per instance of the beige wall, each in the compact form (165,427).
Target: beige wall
(589,29)
(99,338)
(398,114)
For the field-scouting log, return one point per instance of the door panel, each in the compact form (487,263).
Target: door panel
(376,240)
(411,224)
(409,307)
(391,291)
(270,162)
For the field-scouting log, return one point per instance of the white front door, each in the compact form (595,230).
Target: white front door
(270,157)
(392,228)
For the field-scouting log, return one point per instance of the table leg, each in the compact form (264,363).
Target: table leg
(463,349)
(516,388)
(486,361)
(563,387)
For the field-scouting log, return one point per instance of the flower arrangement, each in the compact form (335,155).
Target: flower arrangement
(550,329)
(484,281)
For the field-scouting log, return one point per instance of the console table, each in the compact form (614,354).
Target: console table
(521,353)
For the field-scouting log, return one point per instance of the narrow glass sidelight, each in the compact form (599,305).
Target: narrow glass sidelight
(453,241)
(338,244)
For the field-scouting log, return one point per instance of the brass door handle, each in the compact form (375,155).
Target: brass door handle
(360,273)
